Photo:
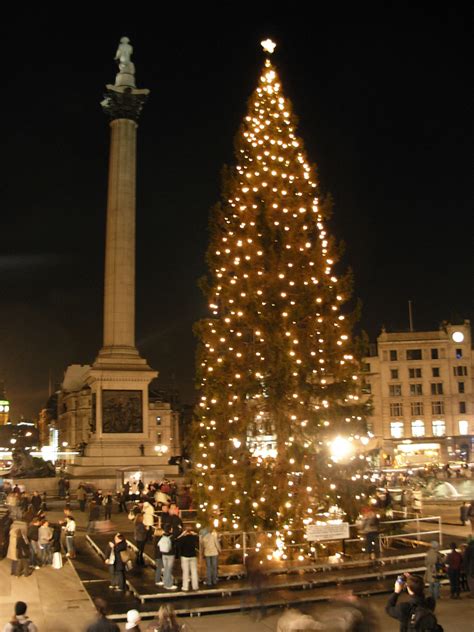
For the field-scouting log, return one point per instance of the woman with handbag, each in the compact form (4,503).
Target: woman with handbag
(121,558)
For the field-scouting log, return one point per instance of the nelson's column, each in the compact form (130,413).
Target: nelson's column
(120,434)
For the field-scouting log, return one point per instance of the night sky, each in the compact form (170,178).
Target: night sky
(383,101)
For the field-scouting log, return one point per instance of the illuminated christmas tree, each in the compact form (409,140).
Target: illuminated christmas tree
(280,424)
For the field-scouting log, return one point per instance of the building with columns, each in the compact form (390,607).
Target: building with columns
(422,389)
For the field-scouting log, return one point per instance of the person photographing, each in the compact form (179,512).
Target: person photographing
(416,614)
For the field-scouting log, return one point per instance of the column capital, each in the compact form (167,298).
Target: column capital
(124,102)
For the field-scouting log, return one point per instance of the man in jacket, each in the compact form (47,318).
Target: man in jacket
(32,534)
(415,587)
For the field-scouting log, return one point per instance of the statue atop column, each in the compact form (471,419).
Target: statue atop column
(124,99)
(126,74)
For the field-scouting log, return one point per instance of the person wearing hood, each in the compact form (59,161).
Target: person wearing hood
(433,562)
(133,619)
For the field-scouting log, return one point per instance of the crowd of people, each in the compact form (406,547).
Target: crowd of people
(29,538)
(155,514)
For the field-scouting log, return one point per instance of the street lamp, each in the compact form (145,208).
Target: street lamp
(341,449)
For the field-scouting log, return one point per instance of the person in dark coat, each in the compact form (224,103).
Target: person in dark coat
(120,545)
(140,534)
(107,502)
(415,587)
(36,502)
(22,554)
(454,563)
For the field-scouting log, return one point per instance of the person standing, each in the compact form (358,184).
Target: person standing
(187,547)
(210,548)
(432,561)
(370,529)
(32,535)
(158,556)
(168,550)
(404,612)
(22,554)
(45,536)
(468,565)
(70,532)
(470,515)
(121,498)
(36,502)
(140,533)
(120,547)
(107,502)
(20,618)
(81,497)
(454,562)
(148,517)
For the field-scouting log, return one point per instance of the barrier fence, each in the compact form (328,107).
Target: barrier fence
(236,546)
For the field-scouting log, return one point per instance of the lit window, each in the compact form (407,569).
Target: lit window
(439,428)
(463,427)
(418,428)
(397,429)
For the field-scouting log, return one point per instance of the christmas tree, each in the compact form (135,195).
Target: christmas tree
(280,420)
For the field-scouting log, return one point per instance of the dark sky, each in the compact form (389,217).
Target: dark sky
(383,100)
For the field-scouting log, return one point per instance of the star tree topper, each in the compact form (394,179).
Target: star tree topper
(268,46)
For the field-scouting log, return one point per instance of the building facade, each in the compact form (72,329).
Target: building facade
(421,385)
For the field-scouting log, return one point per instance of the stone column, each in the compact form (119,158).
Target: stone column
(123,105)
(119,290)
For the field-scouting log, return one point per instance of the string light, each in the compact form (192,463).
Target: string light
(276,342)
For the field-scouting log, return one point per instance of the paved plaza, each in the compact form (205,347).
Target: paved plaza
(57,601)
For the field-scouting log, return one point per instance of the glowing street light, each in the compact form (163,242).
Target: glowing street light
(341,449)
